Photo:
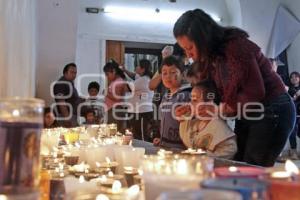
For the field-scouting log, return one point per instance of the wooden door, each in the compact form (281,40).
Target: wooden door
(115,50)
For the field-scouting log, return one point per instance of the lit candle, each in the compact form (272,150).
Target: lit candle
(133,192)
(102,197)
(129,173)
(116,187)
(285,183)
(239,172)
(172,173)
(131,157)
(111,166)
(193,152)
(81,179)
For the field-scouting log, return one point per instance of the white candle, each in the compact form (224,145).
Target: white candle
(116,187)
(101,197)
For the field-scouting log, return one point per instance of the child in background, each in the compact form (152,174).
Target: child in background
(94,103)
(115,94)
(49,118)
(90,117)
(207,131)
(171,73)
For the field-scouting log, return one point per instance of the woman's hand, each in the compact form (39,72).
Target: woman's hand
(206,110)
(156,141)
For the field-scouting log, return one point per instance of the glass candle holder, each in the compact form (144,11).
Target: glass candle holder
(21,122)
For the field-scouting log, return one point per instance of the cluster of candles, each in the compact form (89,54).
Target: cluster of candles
(258,183)
(101,152)
(121,170)
(52,137)
(168,172)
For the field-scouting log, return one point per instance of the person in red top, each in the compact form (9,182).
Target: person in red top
(243,76)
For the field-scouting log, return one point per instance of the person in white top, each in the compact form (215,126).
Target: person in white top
(140,106)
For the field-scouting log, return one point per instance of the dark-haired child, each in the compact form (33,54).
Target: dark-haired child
(171,73)
(207,131)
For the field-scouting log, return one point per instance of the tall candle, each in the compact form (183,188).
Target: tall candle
(285,184)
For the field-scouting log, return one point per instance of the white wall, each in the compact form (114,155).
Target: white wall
(66,35)
(234,12)
(294,49)
(57,33)
(95,29)
(257,19)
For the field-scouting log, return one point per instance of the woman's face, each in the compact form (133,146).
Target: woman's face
(189,47)
(140,71)
(295,79)
(171,76)
(110,75)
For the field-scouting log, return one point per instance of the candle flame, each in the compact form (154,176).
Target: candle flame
(55,149)
(94,140)
(168,170)
(81,179)
(116,187)
(107,160)
(103,179)
(140,171)
(55,155)
(61,174)
(200,151)
(133,190)
(233,169)
(291,168)
(3,197)
(128,168)
(110,174)
(77,144)
(182,167)
(60,166)
(98,164)
(280,174)
(198,168)
(101,197)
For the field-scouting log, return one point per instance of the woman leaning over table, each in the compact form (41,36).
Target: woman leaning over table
(243,75)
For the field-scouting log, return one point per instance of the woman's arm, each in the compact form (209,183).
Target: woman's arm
(129,73)
(155,81)
(245,82)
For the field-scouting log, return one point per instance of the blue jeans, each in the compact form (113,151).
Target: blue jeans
(261,141)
